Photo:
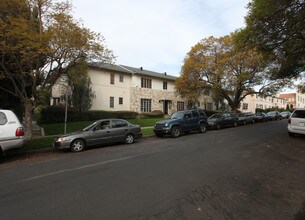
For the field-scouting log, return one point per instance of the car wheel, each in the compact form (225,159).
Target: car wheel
(244,122)
(290,134)
(77,145)
(175,132)
(235,124)
(218,126)
(202,128)
(129,139)
(253,121)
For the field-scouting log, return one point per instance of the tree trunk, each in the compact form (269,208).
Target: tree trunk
(27,121)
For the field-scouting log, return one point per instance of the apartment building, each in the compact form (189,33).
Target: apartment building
(125,88)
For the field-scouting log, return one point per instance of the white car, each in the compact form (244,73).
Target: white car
(11,131)
(296,122)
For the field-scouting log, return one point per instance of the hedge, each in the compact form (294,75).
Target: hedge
(55,114)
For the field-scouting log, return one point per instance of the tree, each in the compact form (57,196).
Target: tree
(40,41)
(80,83)
(277,28)
(231,72)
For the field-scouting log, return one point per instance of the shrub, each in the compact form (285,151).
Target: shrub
(153,114)
(56,114)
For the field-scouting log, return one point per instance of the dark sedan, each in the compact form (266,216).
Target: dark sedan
(100,132)
(274,115)
(221,120)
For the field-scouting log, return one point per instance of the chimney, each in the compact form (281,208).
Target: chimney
(165,73)
(141,68)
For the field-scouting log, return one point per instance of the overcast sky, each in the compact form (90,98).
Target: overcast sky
(157,34)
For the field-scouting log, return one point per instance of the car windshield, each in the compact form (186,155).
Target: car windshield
(88,128)
(177,115)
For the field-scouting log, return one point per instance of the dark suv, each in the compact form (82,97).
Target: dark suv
(182,121)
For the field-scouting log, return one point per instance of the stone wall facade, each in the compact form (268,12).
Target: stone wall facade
(157,99)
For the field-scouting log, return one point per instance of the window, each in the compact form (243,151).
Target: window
(245,106)
(111,102)
(120,101)
(3,118)
(209,106)
(121,78)
(145,83)
(165,85)
(119,124)
(180,106)
(145,105)
(112,78)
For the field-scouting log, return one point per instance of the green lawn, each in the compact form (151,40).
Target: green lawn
(51,130)
(58,128)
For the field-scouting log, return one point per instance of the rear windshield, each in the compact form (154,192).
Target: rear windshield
(3,118)
(299,114)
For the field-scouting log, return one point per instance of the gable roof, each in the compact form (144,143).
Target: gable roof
(131,70)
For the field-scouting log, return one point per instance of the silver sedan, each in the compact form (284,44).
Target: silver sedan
(100,132)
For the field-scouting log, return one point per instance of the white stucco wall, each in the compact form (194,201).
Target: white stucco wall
(104,90)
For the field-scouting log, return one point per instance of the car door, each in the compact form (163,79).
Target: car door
(186,121)
(119,129)
(100,134)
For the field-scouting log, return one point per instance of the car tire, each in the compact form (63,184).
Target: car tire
(129,139)
(218,126)
(202,128)
(175,132)
(77,145)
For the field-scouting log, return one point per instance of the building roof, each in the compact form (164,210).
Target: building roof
(131,70)
(144,72)
(287,95)
(108,66)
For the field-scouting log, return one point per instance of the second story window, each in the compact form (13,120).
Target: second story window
(112,78)
(146,83)
(165,85)
(121,78)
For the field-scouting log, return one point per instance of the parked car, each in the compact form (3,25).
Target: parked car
(221,120)
(285,114)
(100,132)
(296,122)
(274,115)
(182,121)
(261,117)
(246,118)
(11,131)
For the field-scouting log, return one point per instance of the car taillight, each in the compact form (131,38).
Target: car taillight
(19,132)
(289,120)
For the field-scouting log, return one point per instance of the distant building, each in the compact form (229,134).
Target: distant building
(253,102)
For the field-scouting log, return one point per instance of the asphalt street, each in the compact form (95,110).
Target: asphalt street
(248,172)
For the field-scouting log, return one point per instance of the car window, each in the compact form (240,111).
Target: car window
(195,114)
(299,114)
(187,115)
(3,118)
(119,124)
(103,125)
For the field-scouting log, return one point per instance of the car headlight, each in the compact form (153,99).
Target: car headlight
(166,124)
(61,139)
